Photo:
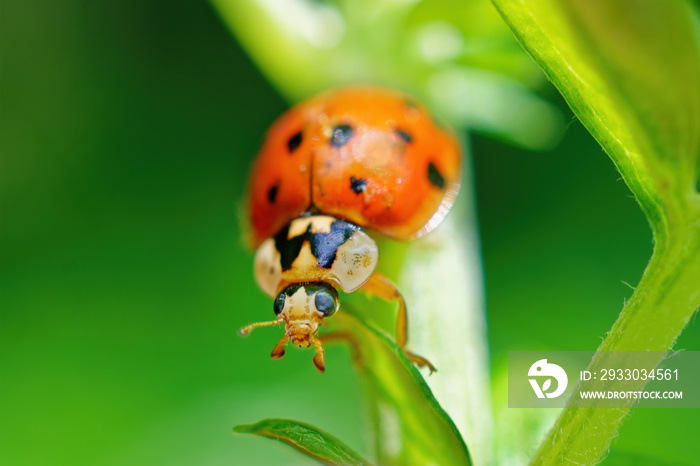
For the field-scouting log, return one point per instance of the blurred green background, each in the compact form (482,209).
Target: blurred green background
(127,131)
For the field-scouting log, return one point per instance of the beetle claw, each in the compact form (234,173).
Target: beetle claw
(319,362)
(319,359)
(278,351)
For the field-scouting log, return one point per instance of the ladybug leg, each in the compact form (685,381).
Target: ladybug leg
(319,359)
(381,286)
(278,350)
(420,361)
(348,338)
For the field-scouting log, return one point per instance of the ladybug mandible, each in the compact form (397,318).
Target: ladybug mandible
(329,167)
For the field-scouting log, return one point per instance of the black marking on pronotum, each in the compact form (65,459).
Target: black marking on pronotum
(358,185)
(289,248)
(341,135)
(272,194)
(294,142)
(435,177)
(324,246)
(405,136)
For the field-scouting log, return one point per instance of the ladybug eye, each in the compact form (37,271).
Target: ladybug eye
(279,303)
(341,135)
(326,302)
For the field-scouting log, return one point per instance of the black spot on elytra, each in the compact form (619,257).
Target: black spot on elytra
(341,135)
(358,185)
(294,142)
(324,246)
(404,135)
(272,194)
(435,177)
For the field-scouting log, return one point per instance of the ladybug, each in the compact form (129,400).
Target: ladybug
(330,167)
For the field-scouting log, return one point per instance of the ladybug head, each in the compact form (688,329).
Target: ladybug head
(302,307)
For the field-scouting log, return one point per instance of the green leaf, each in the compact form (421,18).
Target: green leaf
(456,56)
(305,438)
(630,70)
(412,427)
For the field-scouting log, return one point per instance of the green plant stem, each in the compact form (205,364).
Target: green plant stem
(652,320)
(441,279)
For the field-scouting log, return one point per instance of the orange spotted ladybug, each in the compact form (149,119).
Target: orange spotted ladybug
(329,167)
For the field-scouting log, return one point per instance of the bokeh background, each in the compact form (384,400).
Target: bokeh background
(127,131)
